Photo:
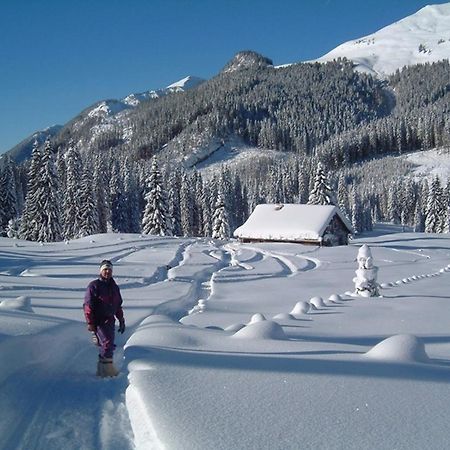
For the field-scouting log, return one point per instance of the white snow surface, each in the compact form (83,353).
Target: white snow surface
(253,368)
(423,37)
(288,222)
(430,163)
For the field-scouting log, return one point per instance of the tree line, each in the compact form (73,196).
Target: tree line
(66,196)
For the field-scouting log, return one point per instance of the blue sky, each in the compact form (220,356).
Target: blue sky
(59,57)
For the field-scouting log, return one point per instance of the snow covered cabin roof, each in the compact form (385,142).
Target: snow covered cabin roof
(289,222)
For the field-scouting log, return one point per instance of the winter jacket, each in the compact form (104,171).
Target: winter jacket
(102,302)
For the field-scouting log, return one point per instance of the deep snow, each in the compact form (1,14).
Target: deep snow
(420,38)
(228,345)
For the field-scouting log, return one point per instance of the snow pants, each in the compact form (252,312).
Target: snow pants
(105,334)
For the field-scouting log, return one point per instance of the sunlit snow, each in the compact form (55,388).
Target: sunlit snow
(228,345)
(423,37)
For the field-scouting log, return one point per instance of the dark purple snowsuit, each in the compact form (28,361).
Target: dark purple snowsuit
(102,303)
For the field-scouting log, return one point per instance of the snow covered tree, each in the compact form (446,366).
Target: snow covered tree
(186,206)
(357,218)
(132,194)
(156,219)
(342,195)
(88,222)
(303,185)
(28,229)
(419,221)
(174,202)
(8,195)
(321,193)
(220,223)
(42,207)
(101,193)
(436,210)
(394,206)
(119,216)
(73,206)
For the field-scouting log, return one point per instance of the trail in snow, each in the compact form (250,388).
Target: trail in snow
(63,404)
(200,279)
(51,388)
(56,399)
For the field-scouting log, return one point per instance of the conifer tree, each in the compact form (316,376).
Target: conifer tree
(46,219)
(174,202)
(321,193)
(73,206)
(436,209)
(131,193)
(89,218)
(101,193)
(156,220)
(220,223)
(186,206)
(28,224)
(8,195)
(119,216)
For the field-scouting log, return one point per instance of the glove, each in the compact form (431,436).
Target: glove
(91,327)
(122,327)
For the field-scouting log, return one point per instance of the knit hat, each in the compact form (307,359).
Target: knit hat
(105,264)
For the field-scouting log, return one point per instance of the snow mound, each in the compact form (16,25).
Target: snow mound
(235,327)
(258,317)
(284,316)
(22,303)
(158,319)
(317,302)
(266,329)
(334,298)
(301,308)
(404,348)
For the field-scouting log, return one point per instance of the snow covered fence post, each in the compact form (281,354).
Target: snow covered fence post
(366,275)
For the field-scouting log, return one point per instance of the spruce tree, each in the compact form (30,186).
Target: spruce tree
(186,206)
(47,215)
(73,206)
(88,222)
(436,209)
(174,202)
(156,219)
(28,224)
(8,195)
(321,193)
(100,187)
(220,222)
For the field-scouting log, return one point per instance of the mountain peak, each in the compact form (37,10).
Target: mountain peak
(247,59)
(420,38)
(188,82)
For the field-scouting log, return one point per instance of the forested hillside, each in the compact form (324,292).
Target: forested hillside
(136,168)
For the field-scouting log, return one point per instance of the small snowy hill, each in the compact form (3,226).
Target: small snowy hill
(423,37)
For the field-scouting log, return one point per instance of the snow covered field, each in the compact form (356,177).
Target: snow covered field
(350,373)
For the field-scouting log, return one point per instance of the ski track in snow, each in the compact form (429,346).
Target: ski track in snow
(64,361)
(59,369)
(201,282)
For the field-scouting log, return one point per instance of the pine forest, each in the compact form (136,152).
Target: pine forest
(324,134)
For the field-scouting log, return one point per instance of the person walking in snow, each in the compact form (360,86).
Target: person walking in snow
(102,305)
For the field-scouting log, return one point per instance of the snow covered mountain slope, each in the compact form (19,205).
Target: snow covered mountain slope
(102,116)
(113,107)
(423,37)
(22,151)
